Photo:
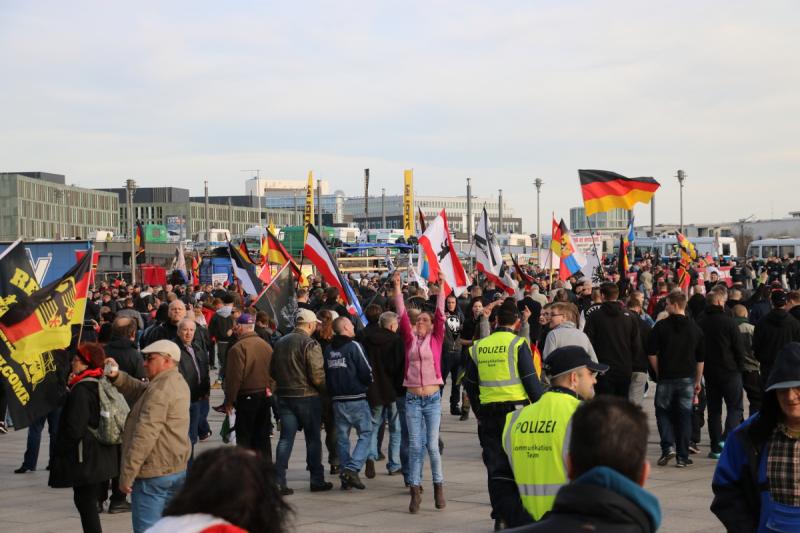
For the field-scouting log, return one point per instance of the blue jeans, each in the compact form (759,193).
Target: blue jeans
(150,497)
(296,412)
(35,438)
(395,436)
(348,415)
(423,414)
(400,402)
(673,403)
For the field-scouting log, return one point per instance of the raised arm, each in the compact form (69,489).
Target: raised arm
(404,324)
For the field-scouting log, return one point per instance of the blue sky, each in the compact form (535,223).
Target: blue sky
(502,92)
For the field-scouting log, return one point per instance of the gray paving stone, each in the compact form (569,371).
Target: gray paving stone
(28,505)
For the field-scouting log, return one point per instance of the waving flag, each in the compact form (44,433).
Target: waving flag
(489,258)
(245,252)
(526,279)
(30,378)
(603,190)
(316,252)
(555,237)
(180,263)
(442,257)
(279,301)
(278,255)
(263,250)
(196,260)
(569,264)
(245,271)
(688,250)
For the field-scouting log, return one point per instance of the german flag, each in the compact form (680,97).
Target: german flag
(245,252)
(603,190)
(139,238)
(43,321)
(278,255)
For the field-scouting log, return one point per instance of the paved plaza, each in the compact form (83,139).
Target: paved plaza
(28,505)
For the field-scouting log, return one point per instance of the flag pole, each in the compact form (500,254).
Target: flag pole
(594,246)
(550,253)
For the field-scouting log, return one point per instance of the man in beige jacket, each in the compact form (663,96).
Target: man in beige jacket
(155,443)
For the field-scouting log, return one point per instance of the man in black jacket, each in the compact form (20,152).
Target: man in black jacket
(193,367)
(614,333)
(347,377)
(607,465)
(773,332)
(722,371)
(386,356)
(122,347)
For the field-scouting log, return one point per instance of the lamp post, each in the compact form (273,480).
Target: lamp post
(130,186)
(538,184)
(681,175)
(469,209)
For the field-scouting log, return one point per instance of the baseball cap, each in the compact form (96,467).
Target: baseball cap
(568,358)
(246,318)
(164,347)
(305,316)
(785,372)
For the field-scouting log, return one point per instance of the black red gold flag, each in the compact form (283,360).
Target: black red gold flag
(603,190)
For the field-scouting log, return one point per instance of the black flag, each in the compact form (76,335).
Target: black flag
(278,300)
(32,381)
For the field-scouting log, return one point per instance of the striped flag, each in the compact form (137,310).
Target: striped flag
(603,190)
(244,271)
(316,252)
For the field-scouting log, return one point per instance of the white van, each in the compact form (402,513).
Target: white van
(766,248)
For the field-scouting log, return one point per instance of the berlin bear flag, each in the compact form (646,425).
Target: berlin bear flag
(442,257)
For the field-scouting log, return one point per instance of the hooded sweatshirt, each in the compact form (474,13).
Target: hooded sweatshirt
(347,371)
(772,333)
(601,500)
(614,333)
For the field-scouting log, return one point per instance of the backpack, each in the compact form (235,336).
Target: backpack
(113,413)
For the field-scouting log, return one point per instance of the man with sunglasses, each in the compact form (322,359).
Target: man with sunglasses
(155,443)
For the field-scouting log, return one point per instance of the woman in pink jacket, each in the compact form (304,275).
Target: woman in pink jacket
(422,379)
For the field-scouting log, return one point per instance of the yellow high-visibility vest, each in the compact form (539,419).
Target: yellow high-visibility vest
(535,439)
(496,357)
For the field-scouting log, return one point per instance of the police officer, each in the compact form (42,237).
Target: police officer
(500,377)
(535,437)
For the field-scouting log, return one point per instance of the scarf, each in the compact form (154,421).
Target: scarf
(88,373)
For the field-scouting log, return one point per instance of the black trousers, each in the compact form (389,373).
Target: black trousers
(615,385)
(699,416)
(728,389)
(503,493)
(752,386)
(330,431)
(85,498)
(252,429)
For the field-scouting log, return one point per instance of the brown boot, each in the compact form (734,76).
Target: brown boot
(416,499)
(438,496)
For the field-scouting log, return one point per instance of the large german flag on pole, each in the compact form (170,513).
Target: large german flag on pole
(603,190)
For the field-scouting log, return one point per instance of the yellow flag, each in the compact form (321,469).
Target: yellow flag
(308,218)
(408,203)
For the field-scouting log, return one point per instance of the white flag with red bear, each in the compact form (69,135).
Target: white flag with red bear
(442,257)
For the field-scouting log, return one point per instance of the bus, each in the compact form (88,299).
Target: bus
(766,248)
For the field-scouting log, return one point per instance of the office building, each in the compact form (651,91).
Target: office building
(40,205)
(613,221)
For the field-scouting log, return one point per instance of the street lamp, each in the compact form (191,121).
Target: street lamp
(130,187)
(681,175)
(538,183)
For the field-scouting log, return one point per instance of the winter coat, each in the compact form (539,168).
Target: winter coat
(614,333)
(386,355)
(297,366)
(199,383)
(601,501)
(78,458)
(741,493)
(127,356)
(772,333)
(724,349)
(156,437)
(347,371)
(247,370)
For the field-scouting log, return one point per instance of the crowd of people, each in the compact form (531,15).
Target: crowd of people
(555,374)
